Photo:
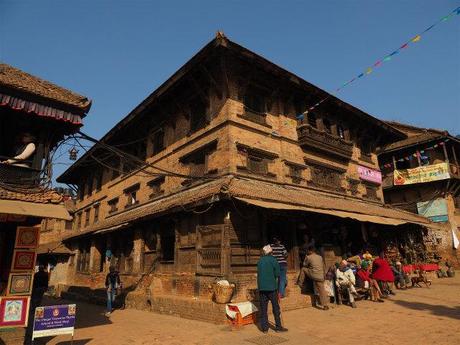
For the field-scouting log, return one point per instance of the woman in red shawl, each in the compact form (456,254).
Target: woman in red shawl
(381,271)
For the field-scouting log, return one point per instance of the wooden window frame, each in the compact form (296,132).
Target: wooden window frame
(131,194)
(113,205)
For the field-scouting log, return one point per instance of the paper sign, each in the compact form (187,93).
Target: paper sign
(54,320)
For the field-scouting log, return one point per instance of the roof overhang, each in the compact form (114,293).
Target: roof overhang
(24,208)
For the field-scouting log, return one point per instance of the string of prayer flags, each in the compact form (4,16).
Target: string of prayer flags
(388,57)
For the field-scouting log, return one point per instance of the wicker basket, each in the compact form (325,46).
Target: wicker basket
(223,294)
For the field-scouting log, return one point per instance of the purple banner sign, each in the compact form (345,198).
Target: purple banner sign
(54,320)
(368,174)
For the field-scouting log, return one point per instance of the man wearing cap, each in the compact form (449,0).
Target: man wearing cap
(268,272)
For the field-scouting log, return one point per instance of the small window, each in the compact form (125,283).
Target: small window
(257,165)
(312,120)
(371,192)
(296,173)
(113,205)
(131,195)
(83,258)
(87,214)
(96,213)
(158,141)
(327,126)
(155,187)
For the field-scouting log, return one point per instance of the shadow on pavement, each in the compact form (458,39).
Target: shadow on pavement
(75,342)
(438,310)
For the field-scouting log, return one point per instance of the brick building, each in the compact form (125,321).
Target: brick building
(422,175)
(35,115)
(216,162)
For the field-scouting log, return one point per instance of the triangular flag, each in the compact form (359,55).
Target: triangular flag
(416,38)
(369,71)
(394,53)
(405,45)
(387,58)
(361,75)
(377,63)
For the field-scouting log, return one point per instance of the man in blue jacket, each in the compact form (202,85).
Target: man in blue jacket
(268,272)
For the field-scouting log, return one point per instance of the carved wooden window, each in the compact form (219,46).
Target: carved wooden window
(327,126)
(353,186)
(257,164)
(155,186)
(371,192)
(113,205)
(131,195)
(87,214)
(340,131)
(158,141)
(311,118)
(295,172)
(68,225)
(96,213)
(197,160)
(327,178)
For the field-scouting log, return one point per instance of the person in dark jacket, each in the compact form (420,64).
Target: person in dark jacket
(112,283)
(40,286)
(268,272)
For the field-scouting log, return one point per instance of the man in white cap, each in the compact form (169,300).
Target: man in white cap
(268,272)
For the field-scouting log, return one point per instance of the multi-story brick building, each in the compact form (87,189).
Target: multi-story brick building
(422,175)
(216,162)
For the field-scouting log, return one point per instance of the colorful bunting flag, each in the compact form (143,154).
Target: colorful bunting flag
(388,57)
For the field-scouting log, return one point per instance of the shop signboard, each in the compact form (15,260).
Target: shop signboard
(370,175)
(422,174)
(435,210)
(54,320)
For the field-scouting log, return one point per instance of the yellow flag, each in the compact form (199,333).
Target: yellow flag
(416,38)
(369,71)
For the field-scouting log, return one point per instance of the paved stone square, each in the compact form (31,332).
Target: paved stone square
(415,316)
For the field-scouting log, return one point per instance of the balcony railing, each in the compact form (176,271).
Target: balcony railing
(310,137)
(17,175)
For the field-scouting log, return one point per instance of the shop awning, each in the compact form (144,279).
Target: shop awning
(24,208)
(341,214)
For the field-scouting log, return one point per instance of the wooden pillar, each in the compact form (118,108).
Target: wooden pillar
(445,152)
(225,263)
(138,251)
(295,245)
(94,257)
(364,232)
(454,154)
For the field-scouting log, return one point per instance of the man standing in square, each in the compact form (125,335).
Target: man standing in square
(268,272)
(280,254)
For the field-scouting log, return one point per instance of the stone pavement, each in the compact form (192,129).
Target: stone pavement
(415,316)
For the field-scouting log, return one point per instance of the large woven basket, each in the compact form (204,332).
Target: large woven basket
(223,294)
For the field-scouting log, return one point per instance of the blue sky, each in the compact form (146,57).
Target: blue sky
(118,52)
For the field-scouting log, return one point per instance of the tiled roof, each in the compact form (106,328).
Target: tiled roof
(15,79)
(414,140)
(45,196)
(252,189)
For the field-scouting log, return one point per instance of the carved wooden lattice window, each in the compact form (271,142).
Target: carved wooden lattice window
(155,186)
(353,186)
(295,173)
(326,178)
(257,165)
(371,192)
(113,205)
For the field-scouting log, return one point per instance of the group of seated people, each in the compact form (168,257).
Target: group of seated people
(358,277)
(365,277)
